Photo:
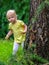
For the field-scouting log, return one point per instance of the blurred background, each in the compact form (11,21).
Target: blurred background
(21,7)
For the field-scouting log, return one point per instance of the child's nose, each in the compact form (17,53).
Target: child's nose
(11,19)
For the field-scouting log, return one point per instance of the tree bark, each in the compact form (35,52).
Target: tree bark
(42,27)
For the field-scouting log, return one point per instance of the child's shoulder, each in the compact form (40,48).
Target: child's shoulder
(10,24)
(20,21)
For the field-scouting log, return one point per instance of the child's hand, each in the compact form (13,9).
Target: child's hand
(6,37)
(23,32)
(25,29)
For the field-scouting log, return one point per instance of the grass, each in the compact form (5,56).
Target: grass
(6,47)
(5,50)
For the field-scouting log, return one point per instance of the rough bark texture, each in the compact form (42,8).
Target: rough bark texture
(42,36)
(42,27)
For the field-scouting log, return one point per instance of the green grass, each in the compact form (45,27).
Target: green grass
(5,50)
(6,47)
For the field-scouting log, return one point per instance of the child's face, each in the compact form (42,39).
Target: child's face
(11,17)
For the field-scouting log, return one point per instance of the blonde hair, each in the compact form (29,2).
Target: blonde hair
(12,11)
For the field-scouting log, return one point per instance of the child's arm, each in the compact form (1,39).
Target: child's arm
(8,34)
(25,28)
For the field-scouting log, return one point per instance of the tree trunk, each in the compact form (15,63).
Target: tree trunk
(42,27)
(42,35)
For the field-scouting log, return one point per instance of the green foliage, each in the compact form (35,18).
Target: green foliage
(1,63)
(39,59)
(39,10)
(20,6)
(5,50)
(47,2)
(22,57)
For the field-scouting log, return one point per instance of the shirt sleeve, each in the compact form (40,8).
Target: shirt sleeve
(22,26)
(22,23)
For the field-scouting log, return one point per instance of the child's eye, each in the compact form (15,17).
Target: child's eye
(8,18)
(11,17)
